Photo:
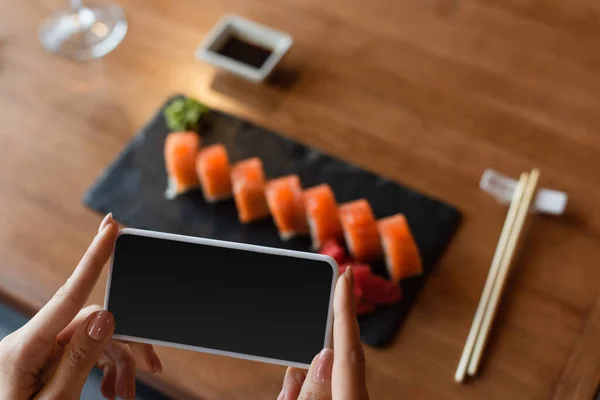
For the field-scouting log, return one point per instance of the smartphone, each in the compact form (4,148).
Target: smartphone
(225,298)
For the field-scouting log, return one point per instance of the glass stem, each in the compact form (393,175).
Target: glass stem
(76,4)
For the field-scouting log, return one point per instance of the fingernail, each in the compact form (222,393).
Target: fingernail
(155,361)
(350,276)
(100,326)
(323,368)
(107,220)
(293,381)
(123,391)
(281,395)
(126,393)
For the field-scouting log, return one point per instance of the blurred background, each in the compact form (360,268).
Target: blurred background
(427,93)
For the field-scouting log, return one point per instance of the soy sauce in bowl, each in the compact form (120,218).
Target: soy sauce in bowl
(244,48)
(245,52)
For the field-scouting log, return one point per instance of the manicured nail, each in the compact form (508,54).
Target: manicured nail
(123,390)
(281,395)
(100,325)
(292,383)
(350,276)
(105,222)
(324,366)
(155,361)
(126,392)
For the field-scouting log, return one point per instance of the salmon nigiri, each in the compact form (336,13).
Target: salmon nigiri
(212,166)
(322,215)
(180,160)
(401,252)
(248,183)
(284,197)
(360,230)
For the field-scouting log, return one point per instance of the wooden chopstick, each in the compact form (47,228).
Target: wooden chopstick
(507,258)
(491,278)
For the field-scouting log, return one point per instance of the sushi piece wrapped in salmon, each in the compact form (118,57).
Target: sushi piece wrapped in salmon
(180,161)
(401,252)
(214,172)
(284,197)
(360,230)
(248,183)
(322,215)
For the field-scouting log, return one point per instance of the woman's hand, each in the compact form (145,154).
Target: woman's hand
(339,374)
(52,355)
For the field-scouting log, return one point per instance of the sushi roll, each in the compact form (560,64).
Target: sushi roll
(322,215)
(284,197)
(401,252)
(360,230)
(214,172)
(248,183)
(180,161)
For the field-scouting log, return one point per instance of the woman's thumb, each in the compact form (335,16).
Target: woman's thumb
(79,357)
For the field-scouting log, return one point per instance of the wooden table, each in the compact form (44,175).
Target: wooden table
(427,92)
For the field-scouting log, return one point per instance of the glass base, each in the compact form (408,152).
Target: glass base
(84,33)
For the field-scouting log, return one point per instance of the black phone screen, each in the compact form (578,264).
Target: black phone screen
(225,299)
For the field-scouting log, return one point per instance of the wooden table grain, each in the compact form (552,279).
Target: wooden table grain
(426,92)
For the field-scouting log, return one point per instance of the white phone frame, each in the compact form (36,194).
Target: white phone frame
(327,342)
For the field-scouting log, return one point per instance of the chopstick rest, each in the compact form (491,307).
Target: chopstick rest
(502,188)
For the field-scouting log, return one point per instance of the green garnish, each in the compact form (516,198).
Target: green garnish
(184,114)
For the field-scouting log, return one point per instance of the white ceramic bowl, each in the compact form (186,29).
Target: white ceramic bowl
(263,36)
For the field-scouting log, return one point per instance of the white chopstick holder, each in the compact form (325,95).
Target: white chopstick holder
(502,188)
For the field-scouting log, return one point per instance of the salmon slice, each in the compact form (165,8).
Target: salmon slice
(248,183)
(284,197)
(322,215)
(401,252)
(360,230)
(214,171)
(180,161)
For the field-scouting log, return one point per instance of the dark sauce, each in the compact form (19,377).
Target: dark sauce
(245,52)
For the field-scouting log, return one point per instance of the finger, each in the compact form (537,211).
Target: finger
(145,357)
(64,337)
(107,388)
(127,359)
(51,363)
(71,297)
(348,381)
(317,385)
(79,357)
(125,364)
(292,384)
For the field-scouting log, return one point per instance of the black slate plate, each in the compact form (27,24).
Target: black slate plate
(133,186)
